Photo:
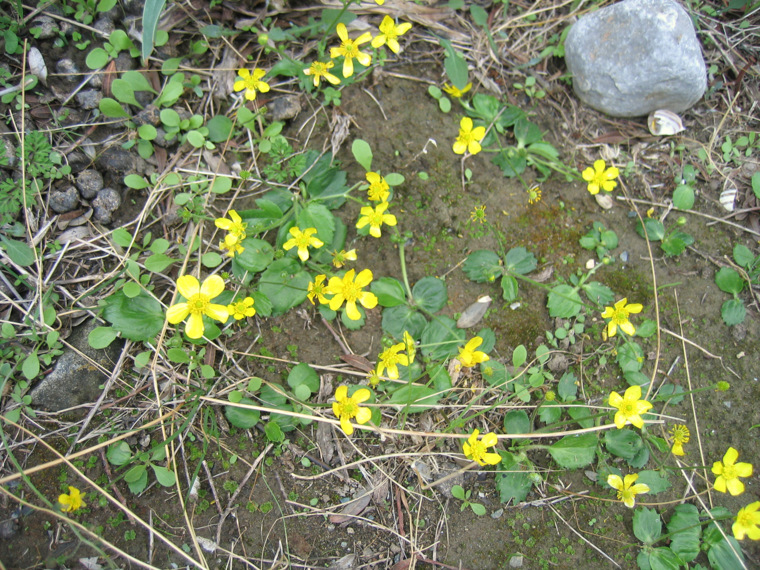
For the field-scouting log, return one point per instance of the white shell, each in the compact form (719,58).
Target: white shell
(604,200)
(663,122)
(474,313)
(37,65)
(728,199)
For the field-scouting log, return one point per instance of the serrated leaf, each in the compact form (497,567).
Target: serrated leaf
(429,293)
(482,266)
(573,452)
(119,453)
(647,525)
(623,443)
(140,318)
(564,302)
(256,256)
(273,431)
(512,481)
(402,318)
(519,260)
(733,312)
(441,338)
(685,532)
(652,228)
(654,480)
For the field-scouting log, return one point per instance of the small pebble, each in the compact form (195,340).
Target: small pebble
(67,69)
(497,513)
(89,98)
(89,182)
(104,25)
(62,201)
(47,26)
(105,204)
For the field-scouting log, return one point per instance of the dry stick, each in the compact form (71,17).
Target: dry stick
(229,508)
(103,492)
(213,487)
(107,469)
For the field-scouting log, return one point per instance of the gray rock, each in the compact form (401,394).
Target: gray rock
(120,161)
(285,107)
(89,98)
(89,182)
(65,200)
(8,151)
(74,380)
(104,25)
(105,204)
(67,69)
(151,115)
(635,57)
(47,26)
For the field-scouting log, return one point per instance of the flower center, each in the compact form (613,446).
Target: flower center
(198,304)
(628,409)
(350,49)
(620,316)
(477,450)
(729,472)
(745,520)
(351,291)
(348,409)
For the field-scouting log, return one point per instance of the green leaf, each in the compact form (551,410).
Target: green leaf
(676,243)
(519,260)
(685,532)
(647,525)
(743,256)
(135,181)
(509,288)
(573,452)
(285,284)
(19,253)
(422,397)
(479,15)
(512,481)
(119,453)
(495,373)
(564,302)
(178,356)
(242,418)
(723,557)
(303,374)
(124,92)
(567,387)
(131,289)
(646,328)
(31,366)
(394,179)
(140,318)
(137,479)
(120,40)
(318,216)
(756,184)
(273,431)
(158,262)
(441,338)
(170,117)
(581,414)
(458,492)
(111,108)
(482,266)
(362,153)
(219,128)
(477,508)
(97,58)
(663,558)
(683,197)
(550,413)
(211,259)
(623,443)
(142,359)
(402,318)
(389,291)
(257,255)
(598,293)
(729,281)
(733,312)
(657,481)
(630,357)
(517,421)
(101,337)
(429,294)
(454,65)
(196,139)
(164,476)
(122,237)
(654,229)
(519,356)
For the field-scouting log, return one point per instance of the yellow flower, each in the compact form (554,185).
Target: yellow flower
(73,501)
(251,82)
(373,378)
(349,49)
(454,91)
(376,217)
(600,179)
(389,31)
(411,347)
(747,521)
(320,69)
(235,228)
(729,471)
(241,309)
(534,194)
(341,257)
(379,2)
(478,450)
(630,407)
(626,490)
(347,408)
(303,240)
(680,435)
(478,214)
(390,359)
(469,138)
(618,316)
(468,356)
(231,250)
(198,303)
(317,289)
(349,290)
(378,190)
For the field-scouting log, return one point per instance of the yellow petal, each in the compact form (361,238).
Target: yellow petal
(361,395)
(378,41)
(735,487)
(213,286)
(492,458)
(341,393)
(217,312)
(615,482)
(177,313)
(743,469)
(731,456)
(368,300)
(490,439)
(345,424)
(364,278)
(336,408)
(720,484)
(459,147)
(363,415)
(352,312)
(615,399)
(194,327)
(187,285)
